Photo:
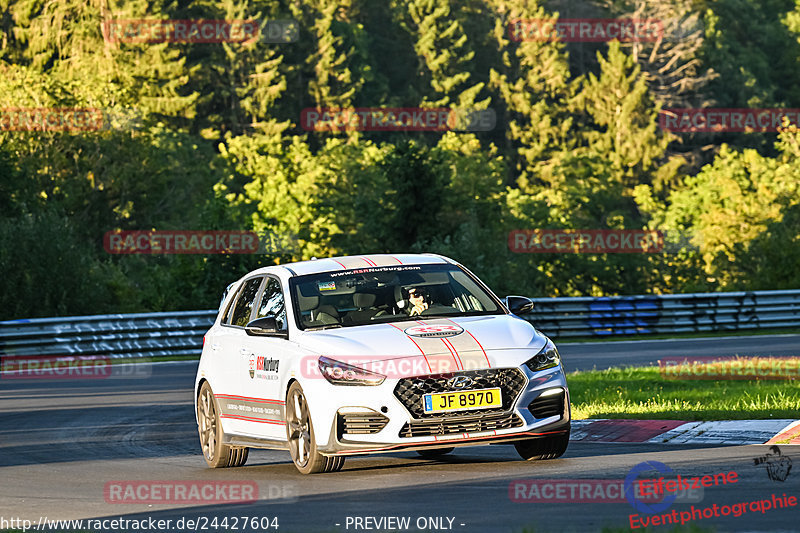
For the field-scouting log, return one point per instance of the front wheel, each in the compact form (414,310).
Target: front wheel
(216,454)
(543,447)
(300,434)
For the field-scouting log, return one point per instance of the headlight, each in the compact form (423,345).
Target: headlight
(340,373)
(546,358)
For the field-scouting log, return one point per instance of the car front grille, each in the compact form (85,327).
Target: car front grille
(461,424)
(361,423)
(548,406)
(411,390)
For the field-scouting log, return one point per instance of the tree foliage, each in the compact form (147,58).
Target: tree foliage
(207,136)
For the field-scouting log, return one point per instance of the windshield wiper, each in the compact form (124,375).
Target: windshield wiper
(327,326)
(406,318)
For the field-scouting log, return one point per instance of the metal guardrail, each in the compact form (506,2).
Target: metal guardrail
(666,314)
(161,335)
(150,335)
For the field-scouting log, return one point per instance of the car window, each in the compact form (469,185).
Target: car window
(243,307)
(272,303)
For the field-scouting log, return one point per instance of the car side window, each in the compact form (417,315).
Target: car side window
(243,306)
(272,303)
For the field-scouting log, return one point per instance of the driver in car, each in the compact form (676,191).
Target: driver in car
(419,300)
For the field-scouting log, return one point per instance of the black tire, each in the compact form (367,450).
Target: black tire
(543,447)
(216,454)
(300,435)
(434,454)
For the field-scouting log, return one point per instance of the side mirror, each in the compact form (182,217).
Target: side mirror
(263,326)
(518,304)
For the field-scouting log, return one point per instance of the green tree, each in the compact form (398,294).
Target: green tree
(240,84)
(733,210)
(444,55)
(334,63)
(754,51)
(532,79)
(283,189)
(621,122)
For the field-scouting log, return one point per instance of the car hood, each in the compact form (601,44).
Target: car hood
(430,345)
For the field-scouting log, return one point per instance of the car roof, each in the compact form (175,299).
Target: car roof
(348,262)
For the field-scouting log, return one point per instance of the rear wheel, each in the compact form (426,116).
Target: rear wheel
(434,454)
(543,447)
(216,454)
(300,434)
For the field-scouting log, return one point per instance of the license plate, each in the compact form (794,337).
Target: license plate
(462,400)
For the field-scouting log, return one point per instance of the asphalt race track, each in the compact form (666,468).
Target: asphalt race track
(63,441)
(601,355)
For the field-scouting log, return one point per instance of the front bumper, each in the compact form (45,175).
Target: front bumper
(377,424)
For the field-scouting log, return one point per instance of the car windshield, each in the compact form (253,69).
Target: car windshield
(387,294)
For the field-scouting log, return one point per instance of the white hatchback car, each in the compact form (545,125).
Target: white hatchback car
(377,353)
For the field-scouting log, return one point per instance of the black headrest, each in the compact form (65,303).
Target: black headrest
(307,302)
(364,299)
(328,310)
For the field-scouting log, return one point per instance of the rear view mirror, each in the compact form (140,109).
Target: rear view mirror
(519,304)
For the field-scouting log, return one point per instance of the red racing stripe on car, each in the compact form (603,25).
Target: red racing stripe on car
(421,351)
(476,341)
(383,260)
(354,262)
(450,348)
(442,362)
(251,419)
(481,347)
(469,350)
(340,264)
(248,398)
(369,261)
(449,345)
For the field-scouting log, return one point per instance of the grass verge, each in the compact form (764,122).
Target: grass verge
(642,393)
